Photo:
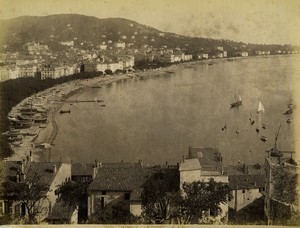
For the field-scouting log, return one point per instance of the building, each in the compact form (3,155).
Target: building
(203,56)
(127,61)
(103,46)
(120,45)
(247,184)
(166,58)
(281,187)
(26,71)
(52,71)
(241,53)
(116,184)
(67,43)
(63,213)
(29,172)
(109,66)
(204,164)
(37,49)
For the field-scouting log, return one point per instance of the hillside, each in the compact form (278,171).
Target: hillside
(66,27)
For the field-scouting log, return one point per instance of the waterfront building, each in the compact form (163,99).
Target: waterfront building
(109,66)
(241,53)
(166,58)
(27,171)
(203,56)
(204,164)
(52,71)
(127,61)
(29,70)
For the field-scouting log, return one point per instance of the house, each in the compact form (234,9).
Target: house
(117,184)
(281,187)
(166,58)
(109,66)
(88,66)
(127,61)
(102,46)
(246,183)
(26,71)
(67,43)
(204,164)
(29,172)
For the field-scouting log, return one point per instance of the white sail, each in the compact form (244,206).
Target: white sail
(240,98)
(261,108)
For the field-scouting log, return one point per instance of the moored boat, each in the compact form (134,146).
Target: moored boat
(237,101)
(261,108)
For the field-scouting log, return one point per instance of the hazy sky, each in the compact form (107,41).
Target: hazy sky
(253,21)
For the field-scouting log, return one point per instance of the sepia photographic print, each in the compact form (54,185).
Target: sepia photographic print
(144,112)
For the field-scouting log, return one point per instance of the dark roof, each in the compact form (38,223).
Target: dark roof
(86,169)
(82,169)
(246,181)
(61,211)
(209,158)
(42,171)
(121,179)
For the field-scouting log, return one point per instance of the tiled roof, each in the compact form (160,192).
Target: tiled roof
(246,181)
(41,171)
(44,171)
(61,211)
(120,179)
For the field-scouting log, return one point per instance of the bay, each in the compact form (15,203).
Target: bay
(155,118)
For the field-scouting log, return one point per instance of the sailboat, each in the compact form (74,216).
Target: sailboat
(237,129)
(260,108)
(237,101)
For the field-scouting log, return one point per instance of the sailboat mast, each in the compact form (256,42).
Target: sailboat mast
(275,146)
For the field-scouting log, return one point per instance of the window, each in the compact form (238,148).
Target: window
(103,192)
(243,191)
(127,196)
(1,207)
(102,202)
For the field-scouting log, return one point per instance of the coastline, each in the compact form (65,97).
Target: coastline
(40,144)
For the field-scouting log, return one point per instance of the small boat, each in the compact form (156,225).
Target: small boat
(289,120)
(263,138)
(103,105)
(65,111)
(257,129)
(260,108)
(252,122)
(264,126)
(237,130)
(237,101)
(225,127)
(288,112)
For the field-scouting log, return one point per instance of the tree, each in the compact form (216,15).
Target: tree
(160,196)
(74,194)
(30,194)
(199,197)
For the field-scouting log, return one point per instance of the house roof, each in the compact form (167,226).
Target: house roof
(61,211)
(128,179)
(246,181)
(209,158)
(41,171)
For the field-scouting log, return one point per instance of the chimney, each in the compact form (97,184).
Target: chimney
(95,169)
(30,156)
(23,166)
(54,168)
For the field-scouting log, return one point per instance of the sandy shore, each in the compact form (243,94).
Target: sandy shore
(53,99)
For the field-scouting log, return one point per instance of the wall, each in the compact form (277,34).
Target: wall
(241,200)
(136,208)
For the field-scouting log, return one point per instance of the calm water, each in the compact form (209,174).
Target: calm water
(156,118)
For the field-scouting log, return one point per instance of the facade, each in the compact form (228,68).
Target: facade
(119,45)
(127,61)
(67,43)
(51,174)
(113,66)
(52,71)
(27,71)
(242,53)
(247,184)
(166,58)
(204,164)
(120,183)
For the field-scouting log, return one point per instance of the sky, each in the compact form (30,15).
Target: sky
(250,21)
